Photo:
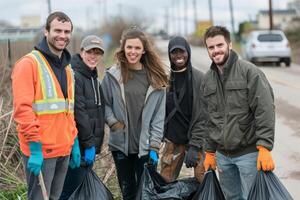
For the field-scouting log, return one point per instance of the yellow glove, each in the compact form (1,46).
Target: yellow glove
(264,160)
(210,161)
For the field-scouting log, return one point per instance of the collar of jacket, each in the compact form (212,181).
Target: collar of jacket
(59,62)
(115,71)
(233,57)
(79,66)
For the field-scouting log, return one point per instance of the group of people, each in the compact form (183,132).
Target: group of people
(222,120)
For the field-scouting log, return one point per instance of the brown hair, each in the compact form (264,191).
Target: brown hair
(154,66)
(217,30)
(60,16)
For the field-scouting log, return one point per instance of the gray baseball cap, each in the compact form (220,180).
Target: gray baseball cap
(91,42)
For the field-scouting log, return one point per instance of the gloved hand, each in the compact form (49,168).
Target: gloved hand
(36,158)
(117,126)
(264,159)
(153,157)
(191,157)
(210,161)
(75,155)
(89,155)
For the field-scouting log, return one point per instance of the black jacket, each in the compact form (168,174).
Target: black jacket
(191,104)
(57,64)
(89,105)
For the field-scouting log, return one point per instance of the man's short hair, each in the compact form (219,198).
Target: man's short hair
(217,30)
(60,16)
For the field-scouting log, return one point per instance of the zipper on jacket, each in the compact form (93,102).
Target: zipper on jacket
(224,105)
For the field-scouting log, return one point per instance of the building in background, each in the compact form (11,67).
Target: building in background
(30,21)
(294,4)
(281,18)
(19,34)
(30,27)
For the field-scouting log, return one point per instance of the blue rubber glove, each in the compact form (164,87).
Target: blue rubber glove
(153,157)
(89,155)
(36,158)
(75,155)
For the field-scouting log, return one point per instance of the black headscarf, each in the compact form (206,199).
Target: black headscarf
(180,42)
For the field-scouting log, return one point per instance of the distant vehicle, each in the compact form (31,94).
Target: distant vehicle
(267,46)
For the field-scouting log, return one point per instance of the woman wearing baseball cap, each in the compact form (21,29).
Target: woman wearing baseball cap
(89,108)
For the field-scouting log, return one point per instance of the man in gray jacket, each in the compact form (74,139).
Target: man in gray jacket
(241,116)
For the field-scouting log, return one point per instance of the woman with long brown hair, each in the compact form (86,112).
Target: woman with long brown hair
(134,91)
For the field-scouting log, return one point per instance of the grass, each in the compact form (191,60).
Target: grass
(18,193)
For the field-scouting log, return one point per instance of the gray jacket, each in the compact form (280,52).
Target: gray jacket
(115,110)
(241,108)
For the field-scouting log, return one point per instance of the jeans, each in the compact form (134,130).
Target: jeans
(54,171)
(129,171)
(236,174)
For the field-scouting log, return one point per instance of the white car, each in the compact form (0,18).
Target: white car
(267,46)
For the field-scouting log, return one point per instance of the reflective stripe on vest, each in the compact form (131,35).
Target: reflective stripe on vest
(50,104)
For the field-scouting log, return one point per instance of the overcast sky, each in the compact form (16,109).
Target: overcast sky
(85,13)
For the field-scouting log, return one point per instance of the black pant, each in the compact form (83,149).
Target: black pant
(129,171)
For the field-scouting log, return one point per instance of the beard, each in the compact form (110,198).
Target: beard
(225,57)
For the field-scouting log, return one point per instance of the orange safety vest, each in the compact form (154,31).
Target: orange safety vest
(50,102)
(54,113)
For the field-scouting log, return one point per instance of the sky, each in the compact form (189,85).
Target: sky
(87,13)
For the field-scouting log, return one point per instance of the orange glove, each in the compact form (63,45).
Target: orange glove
(210,161)
(264,159)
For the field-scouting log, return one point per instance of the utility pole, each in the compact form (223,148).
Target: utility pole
(195,14)
(185,18)
(178,17)
(120,8)
(167,20)
(49,6)
(232,19)
(87,15)
(100,16)
(271,14)
(174,16)
(210,12)
(105,11)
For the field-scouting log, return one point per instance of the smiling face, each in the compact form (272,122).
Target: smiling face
(134,50)
(179,58)
(92,57)
(58,36)
(218,49)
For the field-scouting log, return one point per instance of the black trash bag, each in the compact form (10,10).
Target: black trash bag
(267,186)
(154,187)
(91,188)
(210,188)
